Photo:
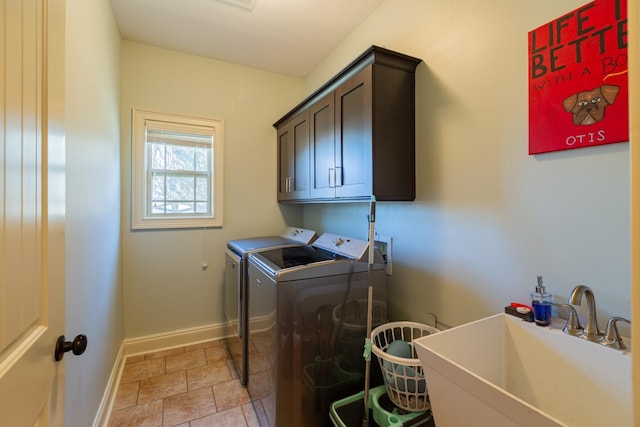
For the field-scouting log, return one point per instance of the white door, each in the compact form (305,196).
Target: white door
(31,211)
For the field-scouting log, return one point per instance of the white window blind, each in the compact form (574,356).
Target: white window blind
(178,165)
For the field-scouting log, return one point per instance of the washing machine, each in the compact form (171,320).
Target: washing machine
(307,326)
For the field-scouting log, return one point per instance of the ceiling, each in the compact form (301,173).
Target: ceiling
(284,36)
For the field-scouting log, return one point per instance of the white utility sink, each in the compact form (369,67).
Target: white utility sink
(502,371)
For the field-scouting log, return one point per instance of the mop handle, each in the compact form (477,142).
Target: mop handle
(372,220)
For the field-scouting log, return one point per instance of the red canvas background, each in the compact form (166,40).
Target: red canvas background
(576,53)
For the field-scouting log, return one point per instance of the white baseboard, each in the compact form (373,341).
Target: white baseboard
(108,398)
(149,344)
(166,341)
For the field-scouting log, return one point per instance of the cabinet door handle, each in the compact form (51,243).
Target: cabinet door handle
(258,282)
(338,176)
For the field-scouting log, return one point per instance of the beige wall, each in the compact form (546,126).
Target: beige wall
(165,289)
(93,272)
(488,217)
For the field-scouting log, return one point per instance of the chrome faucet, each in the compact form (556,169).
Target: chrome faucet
(611,336)
(591,331)
(572,327)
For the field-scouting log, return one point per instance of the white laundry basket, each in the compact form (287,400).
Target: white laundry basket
(403,377)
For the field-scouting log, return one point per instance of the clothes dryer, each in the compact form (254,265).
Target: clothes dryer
(235,286)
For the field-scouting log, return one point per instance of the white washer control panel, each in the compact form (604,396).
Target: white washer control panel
(342,245)
(299,235)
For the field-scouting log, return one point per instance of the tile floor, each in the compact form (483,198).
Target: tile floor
(192,386)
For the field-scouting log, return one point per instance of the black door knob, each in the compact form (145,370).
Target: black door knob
(77,346)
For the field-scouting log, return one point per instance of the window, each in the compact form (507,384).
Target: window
(177,171)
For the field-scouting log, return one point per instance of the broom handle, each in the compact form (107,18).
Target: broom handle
(365,421)
(372,220)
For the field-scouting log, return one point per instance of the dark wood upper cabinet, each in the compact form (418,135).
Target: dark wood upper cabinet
(361,135)
(293,158)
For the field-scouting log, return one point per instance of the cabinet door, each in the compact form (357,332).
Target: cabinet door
(293,158)
(322,129)
(285,160)
(353,136)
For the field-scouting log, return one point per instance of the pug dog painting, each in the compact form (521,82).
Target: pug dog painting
(588,107)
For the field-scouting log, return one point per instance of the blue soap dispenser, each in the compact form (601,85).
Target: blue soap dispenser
(541,303)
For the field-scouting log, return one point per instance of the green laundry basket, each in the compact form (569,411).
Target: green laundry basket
(348,412)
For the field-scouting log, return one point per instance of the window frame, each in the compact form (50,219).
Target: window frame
(141,217)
